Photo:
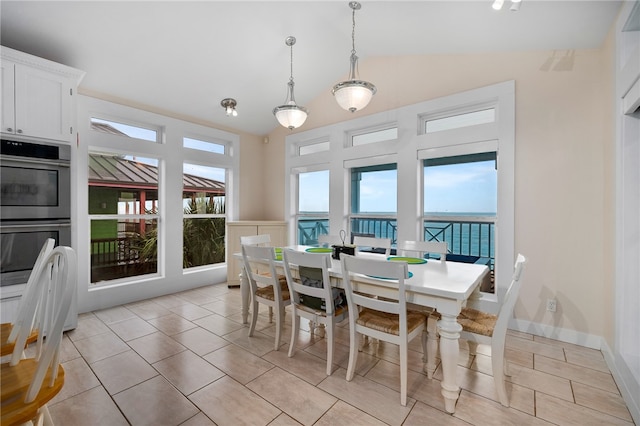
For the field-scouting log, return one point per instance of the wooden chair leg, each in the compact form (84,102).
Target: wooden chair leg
(473,347)
(403,373)
(254,318)
(497,365)
(295,326)
(353,353)
(330,330)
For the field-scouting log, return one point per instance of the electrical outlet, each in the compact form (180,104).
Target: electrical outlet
(551,305)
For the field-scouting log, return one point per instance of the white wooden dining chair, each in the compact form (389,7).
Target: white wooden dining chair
(28,384)
(488,329)
(422,248)
(262,240)
(9,330)
(385,319)
(256,240)
(373,243)
(267,288)
(310,288)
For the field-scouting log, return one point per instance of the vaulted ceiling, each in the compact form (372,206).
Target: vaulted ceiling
(185,57)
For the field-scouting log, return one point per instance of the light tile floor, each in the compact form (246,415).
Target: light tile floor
(186,359)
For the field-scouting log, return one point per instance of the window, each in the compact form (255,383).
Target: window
(123,214)
(203,231)
(121,129)
(139,242)
(460,204)
(391,183)
(374,199)
(313,206)
(313,148)
(214,147)
(374,136)
(460,120)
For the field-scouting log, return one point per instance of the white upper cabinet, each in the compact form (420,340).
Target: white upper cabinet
(38,97)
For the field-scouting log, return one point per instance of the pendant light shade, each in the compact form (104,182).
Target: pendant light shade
(290,115)
(353,94)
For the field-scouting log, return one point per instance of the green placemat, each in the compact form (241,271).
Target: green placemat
(319,250)
(412,260)
(385,278)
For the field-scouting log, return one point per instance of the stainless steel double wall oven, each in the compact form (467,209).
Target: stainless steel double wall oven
(35,204)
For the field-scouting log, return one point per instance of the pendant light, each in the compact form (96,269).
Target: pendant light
(353,94)
(290,115)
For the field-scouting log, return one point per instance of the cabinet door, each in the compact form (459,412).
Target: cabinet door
(278,234)
(234,232)
(43,104)
(7,116)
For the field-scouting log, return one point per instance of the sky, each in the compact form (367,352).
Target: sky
(457,188)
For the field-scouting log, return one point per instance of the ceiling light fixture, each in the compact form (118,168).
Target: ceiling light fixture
(515,5)
(229,105)
(290,115)
(353,94)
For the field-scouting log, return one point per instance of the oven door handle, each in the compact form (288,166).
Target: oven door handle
(38,225)
(61,163)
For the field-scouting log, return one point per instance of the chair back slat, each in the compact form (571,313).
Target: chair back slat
(255,240)
(373,242)
(22,319)
(295,263)
(407,248)
(510,298)
(354,267)
(260,267)
(49,303)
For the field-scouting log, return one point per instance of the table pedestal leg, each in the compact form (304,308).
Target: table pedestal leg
(430,346)
(449,330)
(244,296)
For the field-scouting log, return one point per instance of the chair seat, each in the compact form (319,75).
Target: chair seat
(5,331)
(15,383)
(477,322)
(389,323)
(267,292)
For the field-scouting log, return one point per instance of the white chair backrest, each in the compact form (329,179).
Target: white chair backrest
(398,271)
(293,261)
(384,243)
(510,298)
(326,240)
(255,240)
(51,300)
(22,319)
(259,262)
(406,248)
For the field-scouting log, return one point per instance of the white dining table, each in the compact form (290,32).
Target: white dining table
(444,286)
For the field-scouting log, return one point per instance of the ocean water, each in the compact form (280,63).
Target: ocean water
(468,233)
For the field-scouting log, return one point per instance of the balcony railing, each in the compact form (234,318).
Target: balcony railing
(467,236)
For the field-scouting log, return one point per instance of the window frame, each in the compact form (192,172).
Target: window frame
(171,154)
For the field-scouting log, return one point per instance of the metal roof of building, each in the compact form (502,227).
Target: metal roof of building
(116,171)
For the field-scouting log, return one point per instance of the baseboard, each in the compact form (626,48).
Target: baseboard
(628,385)
(562,334)
(624,378)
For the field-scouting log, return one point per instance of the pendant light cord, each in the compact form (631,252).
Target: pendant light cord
(353,32)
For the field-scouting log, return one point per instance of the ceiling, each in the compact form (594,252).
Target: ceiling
(184,57)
